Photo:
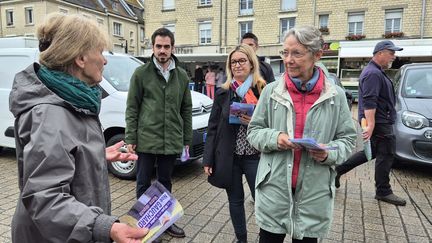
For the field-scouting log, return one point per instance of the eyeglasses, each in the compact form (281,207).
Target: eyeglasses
(294,54)
(239,61)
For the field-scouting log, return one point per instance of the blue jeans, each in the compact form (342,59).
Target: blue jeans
(247,166)
(145,165)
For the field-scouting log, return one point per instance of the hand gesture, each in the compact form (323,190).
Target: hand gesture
(208,170)
(117,152)
(123,233)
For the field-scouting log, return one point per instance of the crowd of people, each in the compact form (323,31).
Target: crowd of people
(61,153)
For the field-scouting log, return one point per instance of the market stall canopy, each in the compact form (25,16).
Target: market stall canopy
(411,48)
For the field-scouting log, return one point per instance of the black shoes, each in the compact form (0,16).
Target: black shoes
(175,231)
(392,198)
(337,181)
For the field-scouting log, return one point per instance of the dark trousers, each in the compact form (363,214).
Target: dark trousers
(145,166)
(383,147)
(268,237)
(248,166)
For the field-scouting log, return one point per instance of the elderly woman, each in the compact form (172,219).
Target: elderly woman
(294,191)
(227,153)
(63,181)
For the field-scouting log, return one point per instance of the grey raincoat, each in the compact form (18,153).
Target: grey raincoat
(63,181)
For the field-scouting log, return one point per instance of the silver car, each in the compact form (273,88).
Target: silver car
(413,126)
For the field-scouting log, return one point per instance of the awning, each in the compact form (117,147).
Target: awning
(202,57)
(411,48)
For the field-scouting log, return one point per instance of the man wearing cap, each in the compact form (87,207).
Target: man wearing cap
(376,104)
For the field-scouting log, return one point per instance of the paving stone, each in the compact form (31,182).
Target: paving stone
(355,236)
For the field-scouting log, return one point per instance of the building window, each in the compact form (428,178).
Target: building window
(205,33)
(205,2)
(117,29)
(246,7)
(288,5)
(393,20)
(28,16)
(168,4)
(245,27)
(355,23)
(9,17)
(170,27)
(323,21)
(285,25)
(142,34)
(115,6)
(63,11)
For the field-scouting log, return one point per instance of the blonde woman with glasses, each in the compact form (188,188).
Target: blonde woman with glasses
(227,153)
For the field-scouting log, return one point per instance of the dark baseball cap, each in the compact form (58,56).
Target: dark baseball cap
(386,45)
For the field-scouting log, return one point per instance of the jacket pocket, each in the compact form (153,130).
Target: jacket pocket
(263,173)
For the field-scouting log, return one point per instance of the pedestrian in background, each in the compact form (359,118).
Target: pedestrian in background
(227,153)
(265,69)
(220,78)
(376,103)
(210,80)
(159,116)
(199,78)
(60,147)
(294,190)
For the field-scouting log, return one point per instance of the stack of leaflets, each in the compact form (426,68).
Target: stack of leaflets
(156,210)
(310,143)
(238,109)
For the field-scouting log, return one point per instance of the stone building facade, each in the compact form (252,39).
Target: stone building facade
(121,19)
(224,21)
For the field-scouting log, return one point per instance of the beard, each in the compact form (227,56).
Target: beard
(163,59)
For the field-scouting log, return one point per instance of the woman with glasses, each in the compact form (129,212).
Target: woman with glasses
(227,154)
(295,184)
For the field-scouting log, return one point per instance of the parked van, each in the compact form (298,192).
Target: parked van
(115,85)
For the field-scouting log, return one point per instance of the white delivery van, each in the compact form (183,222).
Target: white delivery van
(115,85)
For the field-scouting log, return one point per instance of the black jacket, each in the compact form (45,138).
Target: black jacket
(221,139)
(266,71)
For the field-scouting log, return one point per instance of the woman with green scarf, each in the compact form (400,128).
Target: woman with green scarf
(60,148)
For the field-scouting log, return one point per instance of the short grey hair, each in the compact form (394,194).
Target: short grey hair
(309,36)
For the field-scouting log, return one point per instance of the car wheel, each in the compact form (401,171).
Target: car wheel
(122,169)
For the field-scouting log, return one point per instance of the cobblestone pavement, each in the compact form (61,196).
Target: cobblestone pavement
(358,217)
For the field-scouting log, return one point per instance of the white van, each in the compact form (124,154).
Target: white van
(115,85)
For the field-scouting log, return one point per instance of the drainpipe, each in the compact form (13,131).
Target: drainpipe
(226,23)
(422,21)
(314,12)
(220,27)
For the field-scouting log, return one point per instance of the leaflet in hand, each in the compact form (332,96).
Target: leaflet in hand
(156,210)
(310,143)
(237,109)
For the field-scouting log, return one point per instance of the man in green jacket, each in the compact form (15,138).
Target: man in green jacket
(159,115)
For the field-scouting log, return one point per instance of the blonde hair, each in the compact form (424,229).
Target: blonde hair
(62,38)
(258,81)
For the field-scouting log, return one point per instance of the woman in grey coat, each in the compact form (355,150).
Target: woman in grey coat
(63,181)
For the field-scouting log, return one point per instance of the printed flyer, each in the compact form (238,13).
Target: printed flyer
(156,210)
(237,109)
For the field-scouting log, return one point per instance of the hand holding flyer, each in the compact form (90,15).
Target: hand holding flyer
(310,143)
(156,210)
(238,109)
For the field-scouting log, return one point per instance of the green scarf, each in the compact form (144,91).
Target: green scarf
(71,89)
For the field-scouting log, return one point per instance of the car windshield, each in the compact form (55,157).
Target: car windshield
(119,69)
(418,83)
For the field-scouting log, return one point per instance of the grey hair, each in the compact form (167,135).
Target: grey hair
(309,36)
